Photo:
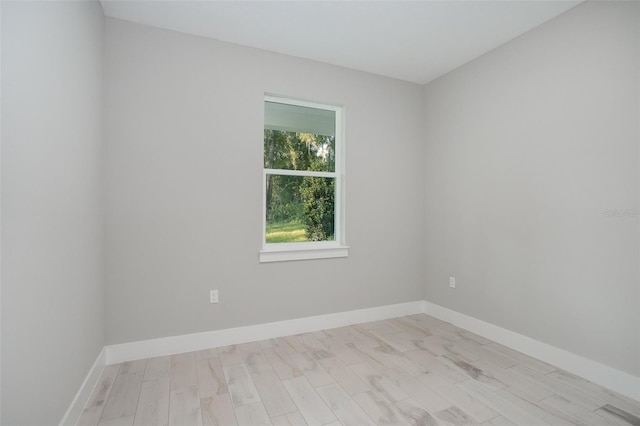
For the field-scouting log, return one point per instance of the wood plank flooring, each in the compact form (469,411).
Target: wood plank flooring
(414,370)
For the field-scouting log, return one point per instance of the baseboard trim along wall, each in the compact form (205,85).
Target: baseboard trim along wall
(601,374)
(74,412)
(233,336)
(593,371)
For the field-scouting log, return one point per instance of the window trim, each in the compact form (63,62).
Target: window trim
(279,252)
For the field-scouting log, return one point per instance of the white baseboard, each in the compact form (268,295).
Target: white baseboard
(619,381)
(74,412)
(233,336)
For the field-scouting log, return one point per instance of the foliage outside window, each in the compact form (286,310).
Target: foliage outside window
(302,207)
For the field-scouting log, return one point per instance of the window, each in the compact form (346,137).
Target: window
(303,178)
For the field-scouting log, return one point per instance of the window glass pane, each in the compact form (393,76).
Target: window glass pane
(299,151)
(299,119)
(300,208)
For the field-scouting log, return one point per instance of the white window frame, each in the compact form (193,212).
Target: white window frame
(279,252)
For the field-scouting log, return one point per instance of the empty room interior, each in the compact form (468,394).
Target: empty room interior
(320,212)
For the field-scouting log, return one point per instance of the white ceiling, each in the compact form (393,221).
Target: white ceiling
(416,41)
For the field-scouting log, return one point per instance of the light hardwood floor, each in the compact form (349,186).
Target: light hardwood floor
(412,370)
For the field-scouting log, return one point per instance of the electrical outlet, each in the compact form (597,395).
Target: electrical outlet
(452,282)
(213,296)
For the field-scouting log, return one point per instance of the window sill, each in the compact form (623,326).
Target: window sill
(286,254)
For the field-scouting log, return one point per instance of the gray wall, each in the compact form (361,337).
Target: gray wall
(52,292)
(184,187)
(526,148)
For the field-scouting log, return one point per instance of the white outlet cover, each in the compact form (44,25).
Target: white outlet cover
(452,282)
(213,296)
